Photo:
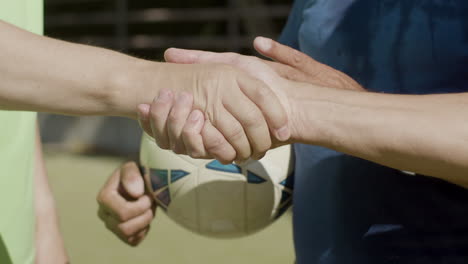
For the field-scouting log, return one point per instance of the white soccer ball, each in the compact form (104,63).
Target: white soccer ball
(218,200)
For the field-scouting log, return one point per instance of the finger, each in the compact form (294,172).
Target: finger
(234,132)
(102,214)
(159,112)
(177,119)
(136,224)
(289,72)
(112,225)
(124,210)
(191,135)
(143,112)
(269,104)
(139,237)
(286,55)
(132,181)
(250,64)
(216,145)
(108,196)
(110,187)
(250,120)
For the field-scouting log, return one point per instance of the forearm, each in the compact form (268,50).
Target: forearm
(43,74)
(426,134)
(50,248)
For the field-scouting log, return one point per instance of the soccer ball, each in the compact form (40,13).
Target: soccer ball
(218,200)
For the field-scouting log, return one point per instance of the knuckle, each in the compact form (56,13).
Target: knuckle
(236,133)
(122,215)
(255,119)
(103,197)
(215,143)
(174,116)
(297,58)
(125,230)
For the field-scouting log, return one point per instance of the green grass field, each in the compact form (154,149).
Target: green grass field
(75,181)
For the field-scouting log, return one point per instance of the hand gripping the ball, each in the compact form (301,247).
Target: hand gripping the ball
(124,207)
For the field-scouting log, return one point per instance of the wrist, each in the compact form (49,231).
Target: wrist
(311,118)
(136,82)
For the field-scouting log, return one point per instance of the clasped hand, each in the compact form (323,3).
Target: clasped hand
(198,122)
(176,122)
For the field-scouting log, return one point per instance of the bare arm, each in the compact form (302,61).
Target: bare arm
(47,75)
(426,134)
(43,74)
(50,248)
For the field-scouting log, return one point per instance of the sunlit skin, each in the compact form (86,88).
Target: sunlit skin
(425,134)
(73,79)
(114,199)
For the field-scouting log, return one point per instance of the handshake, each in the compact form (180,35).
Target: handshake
(236,108)
(217,105)
(231,107)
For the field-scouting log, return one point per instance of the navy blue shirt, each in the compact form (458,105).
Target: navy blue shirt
(348,210)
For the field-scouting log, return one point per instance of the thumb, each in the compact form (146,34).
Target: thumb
(181,56)
(284,54)
(132,181)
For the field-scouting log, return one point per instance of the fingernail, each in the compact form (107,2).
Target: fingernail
(283,133)
(164,96)
(195,116)
(134,188)
(264,43)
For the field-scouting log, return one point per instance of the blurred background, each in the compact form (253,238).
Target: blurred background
(146,28)
(82,152)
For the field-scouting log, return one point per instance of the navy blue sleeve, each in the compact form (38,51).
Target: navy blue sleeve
(290,33)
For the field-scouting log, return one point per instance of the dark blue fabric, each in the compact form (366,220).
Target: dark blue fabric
(347,210)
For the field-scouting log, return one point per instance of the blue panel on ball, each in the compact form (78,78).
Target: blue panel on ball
(254,178)
(216,165)
(178,174)
(288,182)
(284,196)
(159,178)
(164,197)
